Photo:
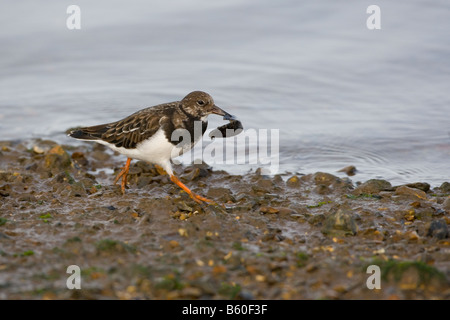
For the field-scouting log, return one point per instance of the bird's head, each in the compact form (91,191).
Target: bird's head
(200,104)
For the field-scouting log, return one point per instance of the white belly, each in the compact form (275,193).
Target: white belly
(157,150)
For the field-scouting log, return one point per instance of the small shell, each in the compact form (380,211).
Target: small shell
(228,130)
(38,150)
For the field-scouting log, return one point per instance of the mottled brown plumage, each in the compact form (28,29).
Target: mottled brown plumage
(143,124)
(128,132)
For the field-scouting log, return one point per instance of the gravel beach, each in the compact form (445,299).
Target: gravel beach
(275,237)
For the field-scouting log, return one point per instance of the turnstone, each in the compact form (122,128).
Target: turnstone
(147,135)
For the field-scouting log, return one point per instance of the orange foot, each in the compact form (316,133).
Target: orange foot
(123,174)
(196,197)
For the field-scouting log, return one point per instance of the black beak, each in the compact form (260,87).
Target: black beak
(220,112)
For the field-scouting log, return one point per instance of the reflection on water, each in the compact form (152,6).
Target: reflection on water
(339,93)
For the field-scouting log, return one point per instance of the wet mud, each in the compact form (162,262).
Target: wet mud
(275,237)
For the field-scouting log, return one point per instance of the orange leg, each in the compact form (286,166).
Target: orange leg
(194,196)
(123,174)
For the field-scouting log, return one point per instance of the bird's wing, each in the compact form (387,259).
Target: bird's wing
(134,129)
(130,131)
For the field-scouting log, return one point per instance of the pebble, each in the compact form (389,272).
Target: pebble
(322,189)
(446,205)
(173,243)
(342,222)
(410,215)
(373,186)
(191,292)
(322,178)
(79,158)
(445,187)
(57,158)
(269,210)
(438,229)
(407,191)
(293,182)
(246,295)
(77,189)
(412,235)
(38,150)
(219,269)
(349,170)
(419,185)
(220,193)
(316,219)
(311,267)
(181,205)
(265,183)
(193,175)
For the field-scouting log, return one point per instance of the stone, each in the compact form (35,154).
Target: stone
(438,229)
(270,210)
(322,189)
(419,185)
(322,178)
(194,174)
(220,193)
(446,205)
(340,223)
(316,219)
(293,182)
(182,206)
(79,158)
(265,183)
(349,170)
(5,190)
(77,189)
(445,187)
(38,150)
(412,235)
(57,158)
(407,191)
(373,186)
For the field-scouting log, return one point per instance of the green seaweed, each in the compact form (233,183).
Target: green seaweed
(231,291)
(141,270)
(170,282)
(318,205)
(237,245)
(114,245)
(301,258)
(87,272)
(394,269)
(24,254)
(45,217)
(73,239)
(69,178)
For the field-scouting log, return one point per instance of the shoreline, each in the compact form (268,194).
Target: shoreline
(305,237)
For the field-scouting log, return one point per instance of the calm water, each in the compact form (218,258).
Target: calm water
(339,93)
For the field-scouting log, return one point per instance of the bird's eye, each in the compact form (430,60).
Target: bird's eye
(200,102)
